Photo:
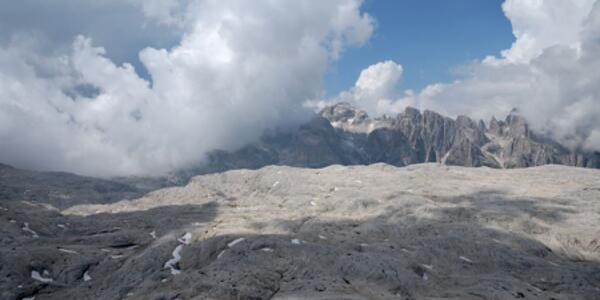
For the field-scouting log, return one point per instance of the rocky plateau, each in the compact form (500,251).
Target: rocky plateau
(425,231)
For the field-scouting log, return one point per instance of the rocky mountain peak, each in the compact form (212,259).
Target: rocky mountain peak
(344,112)
(482,125)
(351,119)
(516,124)
(465,121)
(410,113)
(430,114)
(495,126)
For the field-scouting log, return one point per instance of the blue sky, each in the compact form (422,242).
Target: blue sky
(427,37)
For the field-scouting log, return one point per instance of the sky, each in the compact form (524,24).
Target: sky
(453,33)
(428,42)
(144,87)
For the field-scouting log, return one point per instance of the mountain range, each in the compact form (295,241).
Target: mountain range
(339,135)
(342,134)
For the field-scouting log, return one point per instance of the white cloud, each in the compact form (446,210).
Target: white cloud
(241,67)
(379,79)
(539,24)
(375,86)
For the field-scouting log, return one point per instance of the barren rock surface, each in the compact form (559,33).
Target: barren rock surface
(366,232)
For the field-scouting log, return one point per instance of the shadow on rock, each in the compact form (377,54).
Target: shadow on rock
(95,257)
(486,245)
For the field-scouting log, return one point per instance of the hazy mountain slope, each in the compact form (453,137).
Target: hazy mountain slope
(364,232)
(515,145)
(63,189)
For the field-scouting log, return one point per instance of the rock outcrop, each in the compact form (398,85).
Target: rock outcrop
(514,145)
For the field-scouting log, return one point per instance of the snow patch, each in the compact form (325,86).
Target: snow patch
(153,234)
(445,157)
(296,241)
(186,239)
(276,183)
(27,229)
(172,263)
(68,251)
(35,275)
(465,259)
(235,242)
(86,276)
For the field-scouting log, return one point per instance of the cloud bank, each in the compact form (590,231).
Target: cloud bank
(237,68)
(550,74)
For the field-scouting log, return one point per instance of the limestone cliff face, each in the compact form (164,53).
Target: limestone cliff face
(342,134)
(514,145)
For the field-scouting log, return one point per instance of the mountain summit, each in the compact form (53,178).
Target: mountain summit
(342,134)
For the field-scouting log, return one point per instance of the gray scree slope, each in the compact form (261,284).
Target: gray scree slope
(426,231)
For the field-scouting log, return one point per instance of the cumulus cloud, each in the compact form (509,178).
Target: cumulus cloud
(378,80)
(539,24)
(376,85)
(550,74)
(238,69)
